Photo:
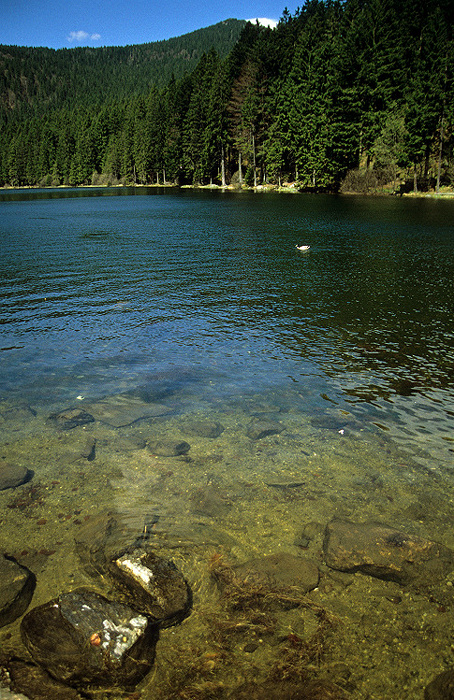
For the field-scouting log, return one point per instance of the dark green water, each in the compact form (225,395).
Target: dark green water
(199,302)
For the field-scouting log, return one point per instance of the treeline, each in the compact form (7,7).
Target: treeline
(350,94)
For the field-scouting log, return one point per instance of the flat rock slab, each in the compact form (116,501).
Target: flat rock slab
(71,418)
(121,410)
(83,639)
(211,501)
(12,475)
(259,429)
(280,571)
(386,553)
(17,584)
(168,448)
(129,443)
(203,428)
(16,412)
(153,585)
(285,484)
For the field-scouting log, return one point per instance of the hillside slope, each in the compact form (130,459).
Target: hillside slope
(32,80)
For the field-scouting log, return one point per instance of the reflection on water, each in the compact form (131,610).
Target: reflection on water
(330,373)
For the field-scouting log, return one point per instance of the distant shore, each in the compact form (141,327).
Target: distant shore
(290,188)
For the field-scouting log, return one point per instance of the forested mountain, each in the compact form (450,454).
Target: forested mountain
(343,94)
(33,80)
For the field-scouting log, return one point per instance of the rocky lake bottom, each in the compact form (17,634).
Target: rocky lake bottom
(319,555)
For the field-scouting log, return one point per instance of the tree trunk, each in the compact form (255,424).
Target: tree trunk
(254,160)
(240,170)
(223,167)
(426,166)
(440,154)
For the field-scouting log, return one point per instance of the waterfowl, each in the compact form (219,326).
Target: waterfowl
(302,247)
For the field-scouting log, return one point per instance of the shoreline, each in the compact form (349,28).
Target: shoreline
(286,189)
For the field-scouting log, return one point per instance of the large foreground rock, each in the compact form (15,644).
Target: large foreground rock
(153,585)
(17,584)
(83,639)
(35,683)
(386,553)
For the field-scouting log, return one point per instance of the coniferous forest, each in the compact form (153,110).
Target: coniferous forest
(343,95)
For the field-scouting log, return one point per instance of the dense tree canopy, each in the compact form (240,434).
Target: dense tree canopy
(345,93)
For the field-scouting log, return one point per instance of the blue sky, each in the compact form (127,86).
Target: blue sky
(65,24)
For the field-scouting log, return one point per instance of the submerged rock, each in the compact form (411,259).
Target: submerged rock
(36,683)
(17,585)
(16,412)
(129,443)
(327,422)
(273,583)
(279,581)
(311,535)
(211,501)
(153,585)
(386,553)
(284,485)
(71,418)
(12,695)
(83,639)
(259,429)
(286,690)
(280,571)
(442,687)
(87,451)
(168,448)
(123,409)
(12,475)
(203,428)
(99,540)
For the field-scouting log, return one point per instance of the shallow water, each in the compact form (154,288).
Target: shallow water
(198,301)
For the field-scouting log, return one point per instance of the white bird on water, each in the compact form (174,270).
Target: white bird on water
(302,247)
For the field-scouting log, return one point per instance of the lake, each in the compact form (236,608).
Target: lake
(308,386)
